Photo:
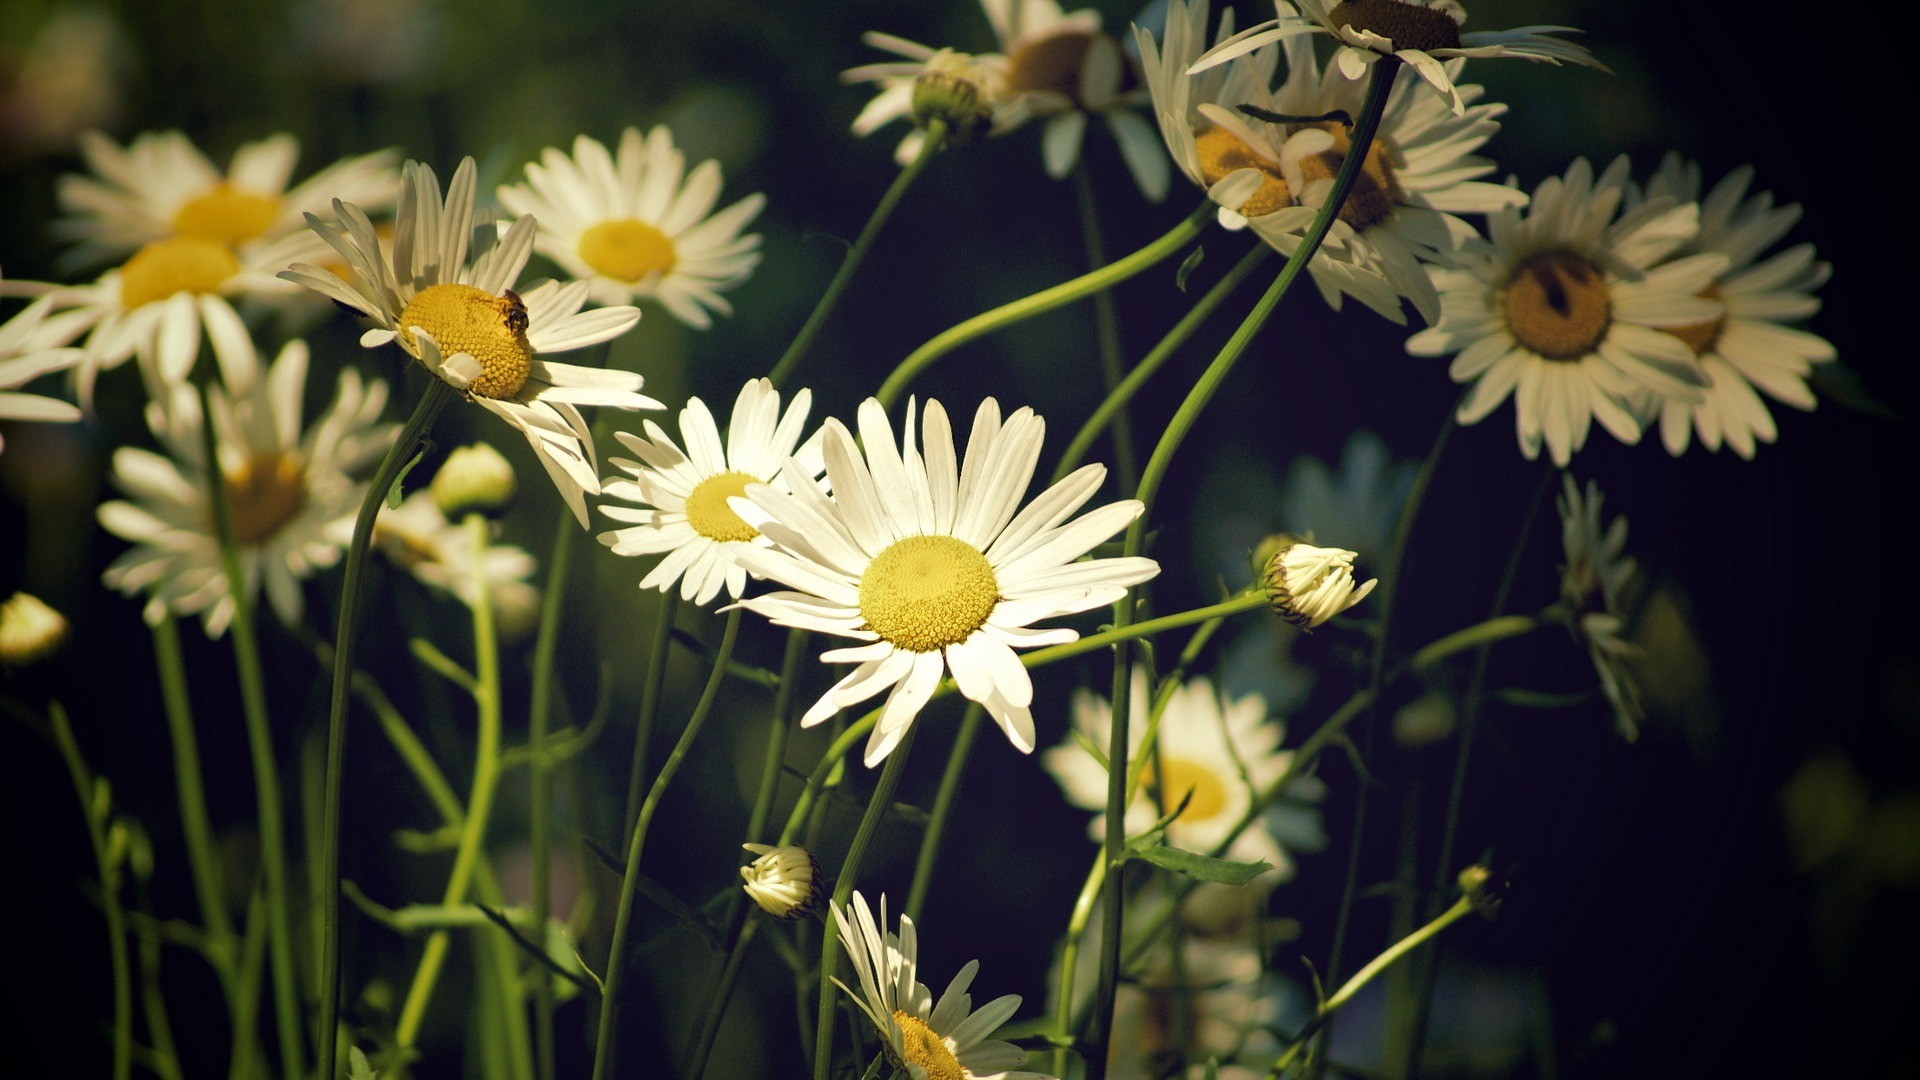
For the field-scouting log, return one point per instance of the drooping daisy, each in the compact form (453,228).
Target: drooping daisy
(1216,753)
(1565,309)
(635,224)
(960,89)
(943,1040)
(460,317)
(419,537)
(290,490)
(682,495)
(1593,583)
(932,563)
(1423,33)
(1751,346)
(32,346)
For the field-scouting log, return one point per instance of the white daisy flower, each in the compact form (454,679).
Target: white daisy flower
(924,559)
(455,311)
(30,630)
(635,224)
(1594,582)
(1750,346)
(1216,753)
(1564,309)
(784,881)
(944,1040)
(1423,33)
(419,537)
(682,495)
(31,345)
(289,490)
(898,80)
(1220,997)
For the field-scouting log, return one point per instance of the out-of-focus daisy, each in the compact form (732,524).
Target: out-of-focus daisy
(455,311)
(1216,753)
(682,495)
(160,187)
(1749,347)
(962,77)
(1423,33)
(418,536)
(31,346)
(933,564)
(943,1040)
(1565,310)
(635,224)
(289,489)
(70,77)
(1219,1002)
(1593,583)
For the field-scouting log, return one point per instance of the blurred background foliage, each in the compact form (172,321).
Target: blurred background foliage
(1734,894)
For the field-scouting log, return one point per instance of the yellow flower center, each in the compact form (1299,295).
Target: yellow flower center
(181,264)
(491,329)
(1221,152)
(1374,190)
(922,1046)
(708,512)
(1408,26)
(1557,305)
(1177,776)
(627,250)
(1701,337)
(927,592)
(263,495)
(226,215)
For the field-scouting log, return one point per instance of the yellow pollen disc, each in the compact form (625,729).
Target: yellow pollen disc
(226,215)
(1557,305)
(1374,191)
(1408,26)
(708,512)
(182,264)
(1701,337)
(925,1048)
(263,495)
(927,592)
(627,250)
(1209,793)
(1221,152)
(491,329)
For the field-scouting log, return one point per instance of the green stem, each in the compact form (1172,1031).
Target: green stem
(190,787)
(539,795)
(96,808)
(1170,344)
(1043,301)
(1479,635)
(437,395)
(486,765)
(651,691)
(935,136)
(842,889)
(942,808)
(717,1009)
(623,911)
(1107,328)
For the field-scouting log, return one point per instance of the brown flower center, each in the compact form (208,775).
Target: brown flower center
(1374,190)
(1557,305)
(181,264)
(491,329)
(263,495)
(1701,337)
(226,215)
(1054,63)
(1407,26)
(923,1046)
(1222,152)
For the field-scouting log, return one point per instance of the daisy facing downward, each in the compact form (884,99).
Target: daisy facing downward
(923,558)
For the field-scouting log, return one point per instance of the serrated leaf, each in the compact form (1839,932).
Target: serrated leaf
(1187,268)
(1202,867)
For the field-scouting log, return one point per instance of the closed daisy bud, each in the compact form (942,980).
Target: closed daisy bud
(475,480)
(29,630)
(1484,888)
(1265,550)
(782,880)
(956,88)
(1308,585)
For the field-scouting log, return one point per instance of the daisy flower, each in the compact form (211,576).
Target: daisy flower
(971,87)
(924,560)
(419,537)
(454,310)
(1216,753)
(1593,582)
(635,224)
(1564,309)
(682,495)
(289,490)
(945,1039)
(1750,346)
(1423,33)
(1218,1002)
(31,345)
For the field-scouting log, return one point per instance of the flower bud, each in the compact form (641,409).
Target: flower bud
(1308,585)
(474,480)
(783,880)
(1484,889)
(955,88)
(29,630)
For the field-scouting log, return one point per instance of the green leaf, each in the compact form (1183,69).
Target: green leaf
(1843,385)
(1086,743)
(1203,867)
(393,492)
(357,1067)
(1187,268)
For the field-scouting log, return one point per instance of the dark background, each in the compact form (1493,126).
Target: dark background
(1735,892)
